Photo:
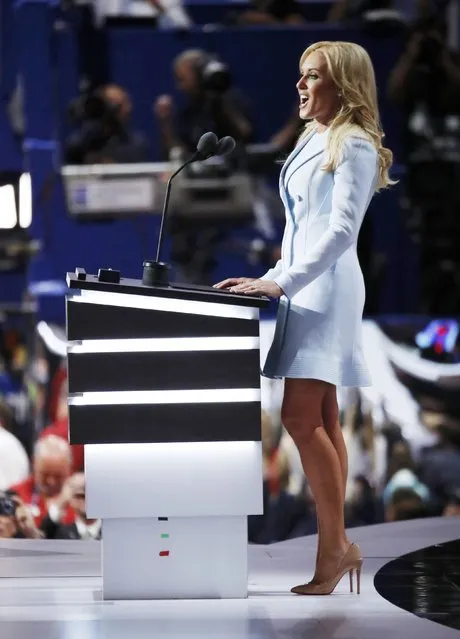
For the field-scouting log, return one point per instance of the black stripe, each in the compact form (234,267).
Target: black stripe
(98,321)
(146,423)
(163,371)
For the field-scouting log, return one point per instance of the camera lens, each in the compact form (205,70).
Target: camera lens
(7,506)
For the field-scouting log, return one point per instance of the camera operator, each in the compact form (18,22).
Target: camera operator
(426,80)
(105,134)
(426,85)
(211,104)
(16,521)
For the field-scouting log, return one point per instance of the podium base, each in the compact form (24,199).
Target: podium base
(175,558)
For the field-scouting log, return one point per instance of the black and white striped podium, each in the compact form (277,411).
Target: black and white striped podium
(164,391)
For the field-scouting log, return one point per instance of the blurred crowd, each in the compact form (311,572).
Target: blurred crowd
(174,14)
(42,482)
(388,481)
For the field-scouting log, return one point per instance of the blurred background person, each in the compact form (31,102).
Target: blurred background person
(104,133)
(272,12)
(440,464)
(52,463)
(16,521)
(210,102)
(59,414)
(14,463)
(425,84)
(362,505)
(452,507)
(83,527)
(172,14)
(405,504)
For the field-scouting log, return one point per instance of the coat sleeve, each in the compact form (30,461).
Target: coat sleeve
(273,272)
(354,179)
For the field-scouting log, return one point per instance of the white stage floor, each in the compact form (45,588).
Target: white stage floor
(52,590)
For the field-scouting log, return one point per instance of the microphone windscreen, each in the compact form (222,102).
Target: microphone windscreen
(207,144)
(225,145)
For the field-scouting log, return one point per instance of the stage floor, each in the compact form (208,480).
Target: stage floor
(52,590)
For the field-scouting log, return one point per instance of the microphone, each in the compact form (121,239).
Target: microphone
(225,146)
(156,272)
(205,148)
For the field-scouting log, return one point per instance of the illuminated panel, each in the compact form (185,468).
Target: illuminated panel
(204,396)
(183,479)
(171,305)
(156,345)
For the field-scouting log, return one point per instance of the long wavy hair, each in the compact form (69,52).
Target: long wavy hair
(351,70)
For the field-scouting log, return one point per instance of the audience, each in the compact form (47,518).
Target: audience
(440,464)
(405,503)
(452,507)
(60,429)
(83,527)
(14,463)
(46,491)
(16,521)
(272,12)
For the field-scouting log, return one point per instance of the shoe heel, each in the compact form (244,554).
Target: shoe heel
(351,579)
(358,578)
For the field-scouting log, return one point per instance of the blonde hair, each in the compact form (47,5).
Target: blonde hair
(351,70)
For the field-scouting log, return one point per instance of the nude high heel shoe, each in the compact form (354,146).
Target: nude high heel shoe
(351,561)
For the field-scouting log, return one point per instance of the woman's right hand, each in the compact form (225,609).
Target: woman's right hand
(234,281)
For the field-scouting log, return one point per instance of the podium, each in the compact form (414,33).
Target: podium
(164,392)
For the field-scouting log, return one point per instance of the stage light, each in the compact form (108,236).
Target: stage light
(25,201)
(8,212)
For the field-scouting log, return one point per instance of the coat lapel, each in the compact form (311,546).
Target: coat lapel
(308,152)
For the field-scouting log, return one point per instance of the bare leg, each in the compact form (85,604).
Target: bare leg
(303,419)
(330,413)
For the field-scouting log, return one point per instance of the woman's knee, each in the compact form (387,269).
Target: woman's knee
(299,425)
(301,412)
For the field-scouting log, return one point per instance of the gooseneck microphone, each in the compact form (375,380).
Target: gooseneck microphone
(156,272)
(225,146)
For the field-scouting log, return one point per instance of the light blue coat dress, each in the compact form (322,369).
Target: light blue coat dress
(318,327)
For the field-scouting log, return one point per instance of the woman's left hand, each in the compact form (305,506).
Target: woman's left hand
(259,287)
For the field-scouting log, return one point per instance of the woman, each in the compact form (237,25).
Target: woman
(326,185)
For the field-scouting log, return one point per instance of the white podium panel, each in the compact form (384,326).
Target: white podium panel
(175,558)
(165,479)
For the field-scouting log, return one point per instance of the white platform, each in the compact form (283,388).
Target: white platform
(52,590)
